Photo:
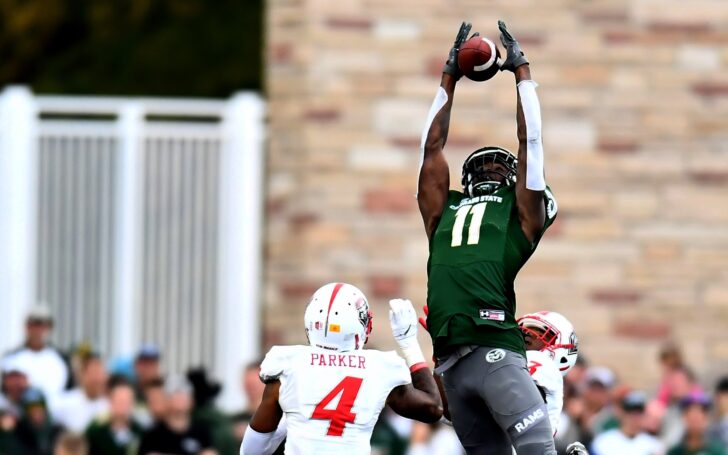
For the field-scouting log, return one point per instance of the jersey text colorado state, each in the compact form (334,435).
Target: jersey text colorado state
(475,200)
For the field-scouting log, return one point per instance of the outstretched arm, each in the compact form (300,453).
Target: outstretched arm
(530,179)
(434,178)
(421,399)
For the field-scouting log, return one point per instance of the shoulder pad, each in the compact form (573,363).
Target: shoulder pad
(396,367)
(275,362)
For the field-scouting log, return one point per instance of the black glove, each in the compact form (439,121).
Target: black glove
(514,54)
(451,66)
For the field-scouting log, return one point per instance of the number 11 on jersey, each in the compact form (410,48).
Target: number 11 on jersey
(476,218)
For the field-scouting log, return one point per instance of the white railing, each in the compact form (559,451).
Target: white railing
(136,220)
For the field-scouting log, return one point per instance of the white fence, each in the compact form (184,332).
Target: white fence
(136,220)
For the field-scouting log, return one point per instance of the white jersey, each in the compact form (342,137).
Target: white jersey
(332,400)
(546,374)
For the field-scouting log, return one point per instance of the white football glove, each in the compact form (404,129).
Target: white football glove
(403,320)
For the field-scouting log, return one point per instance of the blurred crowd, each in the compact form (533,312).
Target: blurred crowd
(680,416)
(76,403)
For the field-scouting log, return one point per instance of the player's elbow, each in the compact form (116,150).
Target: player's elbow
(433,412)
(433,144)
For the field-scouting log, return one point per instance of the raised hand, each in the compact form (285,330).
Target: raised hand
(514,55)
(451,66)
(403,319)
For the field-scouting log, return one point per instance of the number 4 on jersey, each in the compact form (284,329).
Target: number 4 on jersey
(339,417)
(476,217)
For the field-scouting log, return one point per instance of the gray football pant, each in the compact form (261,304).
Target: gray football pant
(495,405)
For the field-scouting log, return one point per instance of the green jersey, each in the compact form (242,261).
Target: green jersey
(475,254)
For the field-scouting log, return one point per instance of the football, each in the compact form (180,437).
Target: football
(477,58)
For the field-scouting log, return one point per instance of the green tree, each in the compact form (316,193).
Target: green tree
(140,47)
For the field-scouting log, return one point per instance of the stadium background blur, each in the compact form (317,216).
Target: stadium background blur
(202,226)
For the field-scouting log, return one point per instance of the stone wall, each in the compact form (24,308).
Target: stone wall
(635,109)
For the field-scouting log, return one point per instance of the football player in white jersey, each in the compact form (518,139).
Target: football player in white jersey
(551,351)
(332,391)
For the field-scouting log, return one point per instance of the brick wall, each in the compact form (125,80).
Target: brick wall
(635,109)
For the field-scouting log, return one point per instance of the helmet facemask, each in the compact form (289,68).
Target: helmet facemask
(477,179)
(556,335)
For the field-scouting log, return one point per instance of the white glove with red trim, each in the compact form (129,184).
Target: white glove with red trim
(403,320)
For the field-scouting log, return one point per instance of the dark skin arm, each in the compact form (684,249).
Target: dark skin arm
(419,400)
(441,390)
(269,413)
(531,207)
(434,181)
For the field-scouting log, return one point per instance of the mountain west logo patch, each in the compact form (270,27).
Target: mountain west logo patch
(495,355)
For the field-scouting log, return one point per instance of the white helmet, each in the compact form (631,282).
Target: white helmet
(557,335)
(338,318)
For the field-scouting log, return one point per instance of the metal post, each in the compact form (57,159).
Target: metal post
(18,209)
(240,271)
(127,241)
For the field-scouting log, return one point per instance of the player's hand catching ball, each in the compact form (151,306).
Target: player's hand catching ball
(403,319)
(451,66)
(514,55)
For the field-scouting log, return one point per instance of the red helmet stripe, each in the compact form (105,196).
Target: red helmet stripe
(331,302)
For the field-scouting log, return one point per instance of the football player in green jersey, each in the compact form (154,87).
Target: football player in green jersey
(479,239)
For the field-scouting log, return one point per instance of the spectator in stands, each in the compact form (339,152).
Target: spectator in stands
(9,443)
(71,444)
(154,405)
(44,365)
(206,414)
(147,369)
(14,383)
(577,375)
(719,430)
(177,433)
(117,433)
(680,382)
(598,399)
(696,416)
(435,438)
(629,438)
(670,359)
(654,415)
(253,389)
(36,432)
(391,433)
(572,425)
(76,408)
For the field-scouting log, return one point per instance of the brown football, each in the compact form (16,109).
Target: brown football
(477,58)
